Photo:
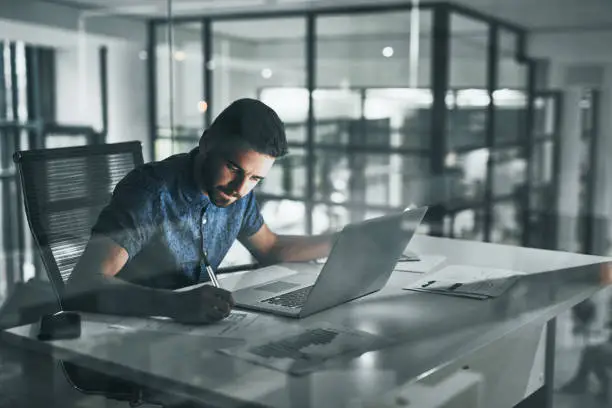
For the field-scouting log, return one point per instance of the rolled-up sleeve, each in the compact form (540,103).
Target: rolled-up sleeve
(130,217)
(252,219)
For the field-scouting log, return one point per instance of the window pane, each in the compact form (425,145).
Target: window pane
(288,175)
(406,112)
(509,180)
(509,172)
(326,218)
(466,224)
(507,223)
(179,83)
(284,216)
(370,45)
(542,163)
(353,103)
(466,175)
(249,60)
(57,141)
(165,146)
(373,179)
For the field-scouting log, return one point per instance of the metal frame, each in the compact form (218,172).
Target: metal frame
(311,57)
(556,180)
(588,217)
(207,51)
(103,54)
(319,11)
(440,77)
(151,85)
(492,79)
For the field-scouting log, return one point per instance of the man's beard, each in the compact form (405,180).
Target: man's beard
(220,196)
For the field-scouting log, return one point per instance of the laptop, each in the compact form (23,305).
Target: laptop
(360,262)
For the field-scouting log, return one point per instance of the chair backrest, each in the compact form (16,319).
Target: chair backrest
(64,191)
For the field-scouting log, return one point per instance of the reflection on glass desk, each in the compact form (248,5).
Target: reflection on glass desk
(432,334)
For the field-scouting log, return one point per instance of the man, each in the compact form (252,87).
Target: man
(595,359)
(164,217)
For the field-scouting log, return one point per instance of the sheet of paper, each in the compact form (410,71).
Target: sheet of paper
(236,325)
(426,263)
(305,350)
(467,281)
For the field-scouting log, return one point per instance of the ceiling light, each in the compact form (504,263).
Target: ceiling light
(387,52)
(202,106)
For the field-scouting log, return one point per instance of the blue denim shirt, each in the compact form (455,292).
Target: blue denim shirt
(158,215)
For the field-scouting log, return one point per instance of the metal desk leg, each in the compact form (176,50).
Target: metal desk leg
(543,398)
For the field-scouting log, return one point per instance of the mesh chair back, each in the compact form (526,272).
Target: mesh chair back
(64,191)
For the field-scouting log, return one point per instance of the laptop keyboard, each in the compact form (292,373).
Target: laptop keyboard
(294,299)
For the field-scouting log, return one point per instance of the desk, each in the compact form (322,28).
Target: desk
(433,335)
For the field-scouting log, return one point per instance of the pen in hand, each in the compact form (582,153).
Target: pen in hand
(209,270)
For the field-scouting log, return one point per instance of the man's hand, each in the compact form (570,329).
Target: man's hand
(202,305)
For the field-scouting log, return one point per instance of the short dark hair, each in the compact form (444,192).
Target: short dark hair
(254,122)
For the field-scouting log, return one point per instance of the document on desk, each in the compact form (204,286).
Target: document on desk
(306,350)
(467,281)
(237,325)
(424,264)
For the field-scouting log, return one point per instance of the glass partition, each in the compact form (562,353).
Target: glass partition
(357,110)
(180,94)
(468,152)
(511,141)
(361,143)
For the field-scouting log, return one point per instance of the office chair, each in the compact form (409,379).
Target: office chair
(64,191)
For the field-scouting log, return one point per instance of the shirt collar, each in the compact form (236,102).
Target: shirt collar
(189,188)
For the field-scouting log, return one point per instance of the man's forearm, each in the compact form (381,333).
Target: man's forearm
(110,295)
(296,248)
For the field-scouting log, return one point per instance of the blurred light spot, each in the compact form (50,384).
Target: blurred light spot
(211,65)
(340,184)
(387,52)
(367,360)
(142,55)
(451,159)
(337,197)
(202,106)
(266,73)
(179,56)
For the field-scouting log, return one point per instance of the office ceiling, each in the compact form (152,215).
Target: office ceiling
(536,15)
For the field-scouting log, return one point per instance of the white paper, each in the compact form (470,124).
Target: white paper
(426,263)
(465,280)
(291,353)
(234,326)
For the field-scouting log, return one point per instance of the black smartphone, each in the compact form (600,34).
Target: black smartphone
(60,326)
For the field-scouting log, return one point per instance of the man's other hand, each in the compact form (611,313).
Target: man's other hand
(202,305)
